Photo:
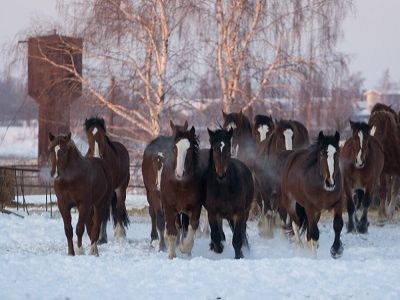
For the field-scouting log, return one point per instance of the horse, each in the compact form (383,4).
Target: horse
(182,187)
(230,191)
(82,182)
(287,135)
(263,125)
(116,156)
(155,155)
(311,182)
(361,163)
(385,129)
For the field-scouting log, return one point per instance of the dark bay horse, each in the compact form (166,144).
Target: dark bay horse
(287,135)
(230,191)
(385,128)
(155,156)
(117,158)
(81,182)
(312,182)
(182,187)
(361,163)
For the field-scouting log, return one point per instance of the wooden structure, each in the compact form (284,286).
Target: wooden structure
(54,69)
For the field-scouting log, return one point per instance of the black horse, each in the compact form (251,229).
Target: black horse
(230,191)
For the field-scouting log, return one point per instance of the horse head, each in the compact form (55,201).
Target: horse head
(283,136)
(185,151)
(328,159)
(359,143)
(96,133)
(220,141)
(241,129)
(58,150)
(262,126)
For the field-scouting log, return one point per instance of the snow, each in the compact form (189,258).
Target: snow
(19,141)
(35,265)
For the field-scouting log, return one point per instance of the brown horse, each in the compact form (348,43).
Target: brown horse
(311,182)
(230,190)
(156,154)
(82,182)
(286,135)
(117,157)
(361,163)
(385,129)
(182,187)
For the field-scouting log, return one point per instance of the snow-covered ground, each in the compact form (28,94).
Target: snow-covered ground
(34,265)
(19,141)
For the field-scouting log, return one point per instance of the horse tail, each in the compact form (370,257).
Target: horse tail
(114,208)
(301,213)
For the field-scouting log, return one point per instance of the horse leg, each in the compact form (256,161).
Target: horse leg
(393,198)
(122,215)
(221,229)
(265,225)
(84,213)
(170,215)
(153,234)
(362,226)
(187,244)
(350,210)
(337,247)
(215,244)
(95,232)
(237,240)
(66,215)
(382,194)
(161,228)
(312,229)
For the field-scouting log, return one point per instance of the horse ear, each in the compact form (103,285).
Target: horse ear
(337,137)
(352,124)
(68,137)
(186,125)
(172,126)
(241,112)
(224,115)
(51,137)
(192,131)
(210,133)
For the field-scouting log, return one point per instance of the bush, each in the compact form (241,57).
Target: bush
(7,187)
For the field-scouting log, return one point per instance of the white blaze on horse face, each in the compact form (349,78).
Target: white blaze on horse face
(373,129)
(182,147)
(288,133)
(56,148)
(358,159)
(222,146)
(331,163)
(96,145)
(263,130)
(158,179)
(230,126)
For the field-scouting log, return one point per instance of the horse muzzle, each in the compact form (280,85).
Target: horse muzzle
(359,164)
(329,185)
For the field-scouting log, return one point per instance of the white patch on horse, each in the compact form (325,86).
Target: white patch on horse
(158,183)
(119,232)
(373,129)
(94,131)
(56,148)
(358,159)
(96,145)
(288,133)
(187,244)
(222,146)
(331,163)
(160,154)
(182,147)
(263,130)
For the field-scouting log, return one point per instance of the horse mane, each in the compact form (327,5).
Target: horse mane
(95,121)
(360,126)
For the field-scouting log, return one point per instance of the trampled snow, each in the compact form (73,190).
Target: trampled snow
(34,265)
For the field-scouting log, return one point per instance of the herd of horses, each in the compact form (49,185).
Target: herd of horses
(270,166)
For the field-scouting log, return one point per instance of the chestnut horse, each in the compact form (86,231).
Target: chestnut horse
(384,127)
(286,135)
(182,187)
(230,191)
(361,163)
(82,182)
(157,152)
(312,182)
(117,158)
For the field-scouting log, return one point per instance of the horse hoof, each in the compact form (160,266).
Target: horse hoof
(80,251)
(337,253)
(162,247)
(102,241)
(216,248)
(94,250)
(171,255)
(239,255)
(119,232)
(362,228)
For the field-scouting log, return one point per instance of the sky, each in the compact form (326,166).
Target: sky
(370,33)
